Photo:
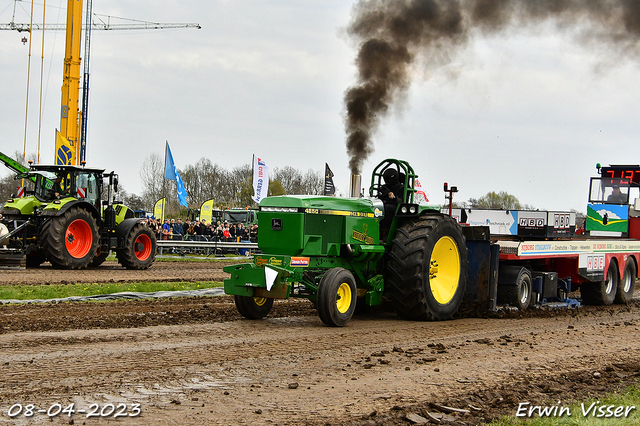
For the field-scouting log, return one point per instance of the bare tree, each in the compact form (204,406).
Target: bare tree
(206,180)
(238,185)
(7,187)
(294,182)
(203,181)
(313,183)
(152,176)
(290,178)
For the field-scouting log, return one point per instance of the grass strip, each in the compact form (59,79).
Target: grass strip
(171,257)
(592,412)
(58,291)
(199,258)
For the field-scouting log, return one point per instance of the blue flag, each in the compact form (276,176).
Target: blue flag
(171,172)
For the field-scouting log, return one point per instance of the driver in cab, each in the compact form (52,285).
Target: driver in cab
(58,190)
(617,196)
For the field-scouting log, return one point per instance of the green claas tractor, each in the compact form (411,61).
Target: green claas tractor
(65,220)
(343,252)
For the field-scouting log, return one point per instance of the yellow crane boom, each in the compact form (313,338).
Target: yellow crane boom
(70,145)
(70,115)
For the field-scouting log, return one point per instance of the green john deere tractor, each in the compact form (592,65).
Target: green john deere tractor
(65,220)
(340,253)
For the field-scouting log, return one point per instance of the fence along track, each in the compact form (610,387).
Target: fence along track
(206,247)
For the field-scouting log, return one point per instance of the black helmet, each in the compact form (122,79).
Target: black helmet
(390,176)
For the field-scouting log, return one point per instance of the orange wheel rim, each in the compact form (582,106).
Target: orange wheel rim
(78,238)
(142,247)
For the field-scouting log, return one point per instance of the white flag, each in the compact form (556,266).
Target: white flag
(419,190)
(260,179)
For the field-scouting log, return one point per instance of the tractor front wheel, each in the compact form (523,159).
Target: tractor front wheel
(426,271)
(71,239)
(139,250)
(336,298)
(253,308)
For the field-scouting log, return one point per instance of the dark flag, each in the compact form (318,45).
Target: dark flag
(329,188)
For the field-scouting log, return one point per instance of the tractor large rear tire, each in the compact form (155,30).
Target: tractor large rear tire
(140,248)
(71,239)
(426,272)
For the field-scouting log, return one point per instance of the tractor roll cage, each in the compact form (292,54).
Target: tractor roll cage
(407,177)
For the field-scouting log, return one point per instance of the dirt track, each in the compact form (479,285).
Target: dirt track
(195,361)
(111,271)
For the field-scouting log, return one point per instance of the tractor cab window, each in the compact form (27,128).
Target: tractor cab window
(612,191)
(62,185)
(87,187)
(45,182)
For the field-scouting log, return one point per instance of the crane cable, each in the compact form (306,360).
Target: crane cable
(26,109)
(44,8)
(24,148)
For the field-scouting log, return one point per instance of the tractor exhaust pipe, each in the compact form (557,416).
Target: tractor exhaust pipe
(354,186)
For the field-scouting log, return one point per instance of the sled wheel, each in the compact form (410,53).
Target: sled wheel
(627,285)
(336,299)
(426,271)
(601,292)
(517,289)
(140,248)
(253,308)
(71,239)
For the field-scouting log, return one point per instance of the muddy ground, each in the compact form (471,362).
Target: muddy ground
(195,361)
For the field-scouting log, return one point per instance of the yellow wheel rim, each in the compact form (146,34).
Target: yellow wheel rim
(343,301)
(259,301)
(444,270)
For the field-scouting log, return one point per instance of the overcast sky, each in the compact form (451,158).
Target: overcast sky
(530,112)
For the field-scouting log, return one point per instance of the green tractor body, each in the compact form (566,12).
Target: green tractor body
(339,252)
(69,219)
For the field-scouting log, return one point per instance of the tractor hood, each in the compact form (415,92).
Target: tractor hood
(308,225)
(21,206)
(357,207)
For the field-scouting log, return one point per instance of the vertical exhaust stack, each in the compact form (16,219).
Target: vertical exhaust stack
(354,186)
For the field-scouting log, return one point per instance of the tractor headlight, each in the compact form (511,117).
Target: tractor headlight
(279,209)
(408,210)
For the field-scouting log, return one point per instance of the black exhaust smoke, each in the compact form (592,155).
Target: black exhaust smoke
(392,34)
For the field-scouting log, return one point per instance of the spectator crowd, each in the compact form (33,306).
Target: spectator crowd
(200,230)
